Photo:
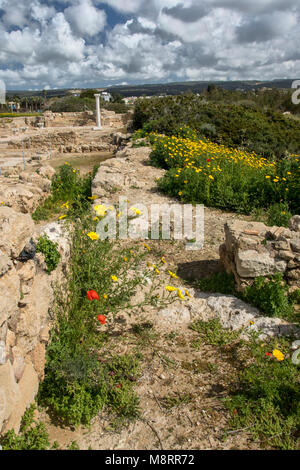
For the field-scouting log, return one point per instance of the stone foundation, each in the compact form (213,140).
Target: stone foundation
(26,297)
(253,249)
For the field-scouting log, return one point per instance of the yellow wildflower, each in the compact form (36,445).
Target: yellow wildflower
(180,294)
(173,275)
(278,354)
(170,288)
(93,235)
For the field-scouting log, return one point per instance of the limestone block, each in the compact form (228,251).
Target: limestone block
(10,393)
(28,388)
(9,295)
(15,231)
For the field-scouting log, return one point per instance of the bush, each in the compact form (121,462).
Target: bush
(50,251)
(267,398)
(266,133)
(271,297)
(201,171)
(70,193)
(73,104)
(32,435)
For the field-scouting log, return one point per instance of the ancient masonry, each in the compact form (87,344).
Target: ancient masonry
(26,292)
(252,250)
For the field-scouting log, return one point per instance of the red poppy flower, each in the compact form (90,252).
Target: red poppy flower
(102,319)
(92,295)
(208,159)
(268,354)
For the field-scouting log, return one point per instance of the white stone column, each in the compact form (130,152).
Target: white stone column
(98,115)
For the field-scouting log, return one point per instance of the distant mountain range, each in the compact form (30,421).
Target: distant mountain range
(196,87)
(175,88)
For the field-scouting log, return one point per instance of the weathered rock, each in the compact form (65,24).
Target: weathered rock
(253,250)
(28,251)
(9,391)
(117,174)
(251,264)
(28,388)
(294,223)
(9,295)
(15,231)
(34,316)
(46,171)
(38,357)
(5,263)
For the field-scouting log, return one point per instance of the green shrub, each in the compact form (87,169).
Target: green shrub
(279,214)
(200,171)
(72,104)
(266,400)
(271,297)
(266,133)
(220,282)
(32,435)
(50,251)
(69,187)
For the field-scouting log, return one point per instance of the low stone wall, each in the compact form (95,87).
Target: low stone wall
(253,249)
(26,297)
(23,191)
(49,119)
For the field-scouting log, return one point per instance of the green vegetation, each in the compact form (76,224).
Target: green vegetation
(82,373)
(72,104)
(200,171)
(271,297)
(213,333)
(268,134)
(32,435)
(50,251)
(12,115)
(86,102)
(69,193)
(264,398)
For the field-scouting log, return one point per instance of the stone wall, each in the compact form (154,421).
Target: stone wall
(49,119)
(26,297)
(24,190)
(253,249)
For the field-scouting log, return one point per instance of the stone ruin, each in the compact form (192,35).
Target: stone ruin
(48,119)
(252,249)
(26,293)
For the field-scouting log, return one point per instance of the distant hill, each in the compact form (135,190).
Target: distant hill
(175,88)
(50,93)
(196,87)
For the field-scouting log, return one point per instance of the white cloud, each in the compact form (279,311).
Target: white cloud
(158,40)
(85,19)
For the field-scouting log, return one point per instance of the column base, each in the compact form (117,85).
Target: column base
(97,128)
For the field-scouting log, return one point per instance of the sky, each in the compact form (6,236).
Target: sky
(47,44)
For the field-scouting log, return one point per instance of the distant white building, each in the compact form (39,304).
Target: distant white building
(130,99)
(106,96)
